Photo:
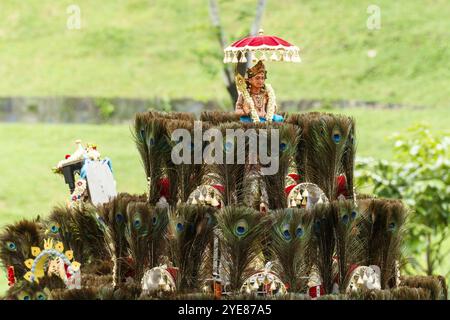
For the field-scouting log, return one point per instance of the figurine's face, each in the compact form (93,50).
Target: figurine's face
(258,80)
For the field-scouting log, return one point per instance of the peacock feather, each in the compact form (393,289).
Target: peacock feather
(218,117)
(190,232)
(231,173)
(275,184)
(90,230)
(138,230)
(80,230)
(323,243)
(25,290)
(240,231)
(157,235)
(301,120)
(387,219)
(114,215)
(151,141)
(289,236)
(16,241)
(349,245)
(185,177)
(60,225)
(348,159)
(325,144)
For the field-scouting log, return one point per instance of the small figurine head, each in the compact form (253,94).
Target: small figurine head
(257,75)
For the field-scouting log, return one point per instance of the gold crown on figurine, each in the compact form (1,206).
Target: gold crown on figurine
(257,68)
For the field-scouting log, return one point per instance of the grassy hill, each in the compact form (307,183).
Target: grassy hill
(143,48)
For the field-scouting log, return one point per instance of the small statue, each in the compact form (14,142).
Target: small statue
(256,101)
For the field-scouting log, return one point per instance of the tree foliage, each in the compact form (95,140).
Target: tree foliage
(420,176)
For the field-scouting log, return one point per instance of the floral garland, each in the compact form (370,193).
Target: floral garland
(271,104)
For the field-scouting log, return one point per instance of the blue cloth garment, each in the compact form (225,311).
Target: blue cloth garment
(275,118)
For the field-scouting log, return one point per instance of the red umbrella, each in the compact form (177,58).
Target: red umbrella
(261,47)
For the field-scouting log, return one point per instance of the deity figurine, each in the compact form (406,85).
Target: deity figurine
(256,101)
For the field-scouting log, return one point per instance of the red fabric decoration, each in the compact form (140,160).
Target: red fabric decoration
(67,156)
(219,187)
(68,275)
(257,41)
(164,185)
(313,291)
(294,176)
(130,272)
(173,272)
(342,186)
(11,276)
(288,189)
(352,268)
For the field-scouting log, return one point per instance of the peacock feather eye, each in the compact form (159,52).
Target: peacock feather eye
(283,147)
(286,233)
(54,228)
(392,226)
(119,218)
(154,220)
(137,223)
(23,295)
(336,135)
(41,296)
(142,133)
(179,227)
(345,219)
(241,228)
(299,232)
(317,226)
(11,246)
(353,215)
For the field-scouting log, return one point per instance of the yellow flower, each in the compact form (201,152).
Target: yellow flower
(35,251)
(59,246)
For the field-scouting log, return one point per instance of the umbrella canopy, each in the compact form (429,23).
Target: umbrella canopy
(261,47)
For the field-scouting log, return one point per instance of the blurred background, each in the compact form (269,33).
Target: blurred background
(80,69)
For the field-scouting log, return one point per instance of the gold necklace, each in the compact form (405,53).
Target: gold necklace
(259,100)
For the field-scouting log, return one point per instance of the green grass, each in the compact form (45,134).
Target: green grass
(28,187)
(147,48)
